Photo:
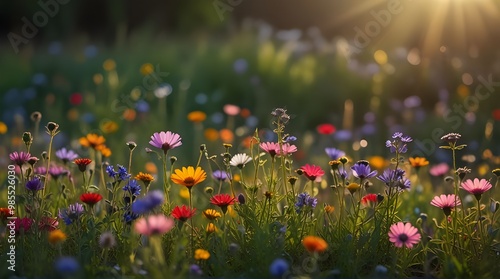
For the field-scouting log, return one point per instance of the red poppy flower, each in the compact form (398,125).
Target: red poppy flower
(90,198)
(312,171)
(369,198)
(183,213)
(222,201)
(326,129)
(82,163)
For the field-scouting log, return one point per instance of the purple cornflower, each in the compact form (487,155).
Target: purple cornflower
(19,158)
(220,175)
(398,143)
(395,178)
(71,214)
(334,153)
(362,170)
(66,155)
(34,184)
(148,202)
(132,187)
(305,200)
(195,270)
(165,140)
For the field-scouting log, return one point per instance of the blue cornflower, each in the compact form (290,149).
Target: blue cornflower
(334,153)
(110,170)
(362,170)
(34,184)
(132,187)
(122,173)
(72,213)
(278,267)
(129,217)
(220,175)
(398,143)
(67,265)
(305,200)
(289,138)
(148,202)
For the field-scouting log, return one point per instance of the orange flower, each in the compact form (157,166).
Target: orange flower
(129,114)
(57,236)
(418,162)
(226,135)
(211,228)
(109,65)
(211,134)
(144,177)
(314,244)
(329,208)
(105,151)
(147,69)
(92,140)
(189,176)
(197,116)
(201,254)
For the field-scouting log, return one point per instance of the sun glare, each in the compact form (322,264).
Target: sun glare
(431,26)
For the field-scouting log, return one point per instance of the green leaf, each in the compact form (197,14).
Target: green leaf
(460,147)
(445,147)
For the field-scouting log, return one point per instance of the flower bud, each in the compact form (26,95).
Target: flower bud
(241,198)
(131,145)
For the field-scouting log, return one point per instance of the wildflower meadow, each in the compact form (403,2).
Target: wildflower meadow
(242,210)
(249,139)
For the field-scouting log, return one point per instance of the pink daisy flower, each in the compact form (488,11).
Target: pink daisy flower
(446,202)
(154,225)
(270,147)
(312,171)
(476,187)
(165,140)
(403,234)
(287,149)
(19,158)
(439,169)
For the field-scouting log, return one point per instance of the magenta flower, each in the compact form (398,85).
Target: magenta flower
(446,203)
(270,147)
(312,171)
(287,149)
(403,234)
(165,140)
(476,187)
(19,158)
(154,225)
(439,169)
